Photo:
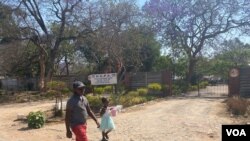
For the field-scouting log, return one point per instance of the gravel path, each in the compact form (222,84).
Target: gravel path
(172,119)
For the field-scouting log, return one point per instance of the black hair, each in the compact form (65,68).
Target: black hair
(104,99)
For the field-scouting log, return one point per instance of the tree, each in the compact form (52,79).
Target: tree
(150,50)
(230,54)
(36,25)
(187,26)
(106,48)
(19,60)
(8,25)
(236,52)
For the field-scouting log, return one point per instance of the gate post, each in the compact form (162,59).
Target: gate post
(167,81)
(234,82)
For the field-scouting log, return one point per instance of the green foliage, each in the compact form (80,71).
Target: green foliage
(237,106)
(180,86)
(133,93)
(192,88)
(36,119)
(142,91)
(176,90)
(149,53)
(203,84)
(65,90)
(114,99)
(155,86)
(129,100)
(56,85)
(57,89)
(108,89)
(94,101)
(99,90)
(162,63)
(164,87)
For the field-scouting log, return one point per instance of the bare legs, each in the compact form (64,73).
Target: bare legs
(105,136)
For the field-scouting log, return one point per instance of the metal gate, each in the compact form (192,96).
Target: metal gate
(213,89)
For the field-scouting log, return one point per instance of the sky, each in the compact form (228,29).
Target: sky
(141,2)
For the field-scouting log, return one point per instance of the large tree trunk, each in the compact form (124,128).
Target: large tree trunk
(52,58)
(67,65)
(191,66)
(51,64)
(42,61)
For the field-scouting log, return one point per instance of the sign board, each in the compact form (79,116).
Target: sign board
(103,79)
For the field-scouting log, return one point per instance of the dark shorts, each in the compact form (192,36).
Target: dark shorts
(80,132)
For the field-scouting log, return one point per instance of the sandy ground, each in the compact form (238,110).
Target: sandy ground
(171,119)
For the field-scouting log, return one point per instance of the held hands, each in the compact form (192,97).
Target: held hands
(98,124)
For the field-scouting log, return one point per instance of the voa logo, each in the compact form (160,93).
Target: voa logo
(236,132)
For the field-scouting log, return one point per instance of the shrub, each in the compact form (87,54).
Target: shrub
(181,86)
(108,89)
(56,85)
(193,88)
(138,100)
(36,119)
(57,88)
(65,90)
(129,100)
(94,101)
(113,99)
(203,84)
(142,91)
(176,90)
(133,93)
(237,106)
(99,90)
(155,86)
(165,87)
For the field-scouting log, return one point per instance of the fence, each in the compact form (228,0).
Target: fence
(19,84)
(132,81)
(142,79)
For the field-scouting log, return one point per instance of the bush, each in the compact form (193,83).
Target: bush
(165,87)
(181,86)
(129,100)
(57,88)
(142,91)
(108,89)
(193,88)
(155,86)
(176,90)
(94,101)
(36,119)
(56,85)
(51,93)
(113,99)
(133,93)
(237,106)
(99,90)
(138,100)
(65,90)
(203,84)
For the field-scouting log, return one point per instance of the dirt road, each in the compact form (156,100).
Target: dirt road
(172,119)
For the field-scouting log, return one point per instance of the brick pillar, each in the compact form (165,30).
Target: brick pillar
(234,82)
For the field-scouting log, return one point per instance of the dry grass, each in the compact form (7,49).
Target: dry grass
(238,106)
